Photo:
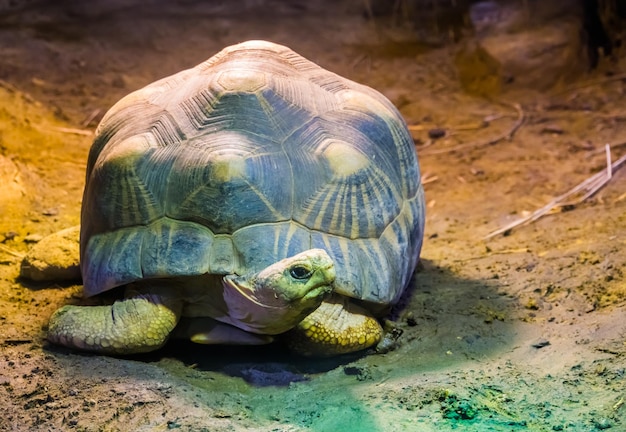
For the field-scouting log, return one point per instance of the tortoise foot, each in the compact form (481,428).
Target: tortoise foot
(336,327)
(129,326)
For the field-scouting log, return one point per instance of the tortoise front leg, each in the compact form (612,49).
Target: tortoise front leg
(139,323)
(336,327)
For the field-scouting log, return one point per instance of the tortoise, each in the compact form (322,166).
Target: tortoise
(254,195)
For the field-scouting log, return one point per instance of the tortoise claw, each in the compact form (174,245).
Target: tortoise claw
(389,341)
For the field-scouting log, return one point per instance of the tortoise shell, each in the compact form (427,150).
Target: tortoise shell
(255,155)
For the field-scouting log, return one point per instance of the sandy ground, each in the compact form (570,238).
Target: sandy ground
(519,332)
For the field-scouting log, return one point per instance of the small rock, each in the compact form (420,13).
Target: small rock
(361,373)
(410,320)
(33,238)
(174,424)
(532,304)
(436,133)
(38,82)
(54,258)
(541,343)
(9,235)
(50,212)
(552,129)
(390,338)
(602,423)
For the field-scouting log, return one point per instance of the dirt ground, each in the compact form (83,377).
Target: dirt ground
(524,331)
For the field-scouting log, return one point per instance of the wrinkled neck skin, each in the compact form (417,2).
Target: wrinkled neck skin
(255,309)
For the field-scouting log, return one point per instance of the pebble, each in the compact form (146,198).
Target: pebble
(552,129)
(602,423)
(50,212)
(33,238)
(362,373)
(541,343)
(9,235)
(436,133)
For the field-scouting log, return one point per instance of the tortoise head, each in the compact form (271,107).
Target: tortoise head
(278,297)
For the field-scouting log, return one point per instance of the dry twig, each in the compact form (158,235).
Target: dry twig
(463,127)
(506,135)
(589,187)
(91,117)
(429,178)
(74,131)
(592,83)
(10,251)
(12,89)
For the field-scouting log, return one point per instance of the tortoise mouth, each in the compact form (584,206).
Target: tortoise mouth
(321,292)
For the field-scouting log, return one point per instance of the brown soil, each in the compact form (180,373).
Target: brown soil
(519,332)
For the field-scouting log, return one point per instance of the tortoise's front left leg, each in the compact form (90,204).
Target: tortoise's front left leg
(338,326)
(141,322)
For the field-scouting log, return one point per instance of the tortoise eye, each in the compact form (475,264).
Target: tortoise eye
(300,272)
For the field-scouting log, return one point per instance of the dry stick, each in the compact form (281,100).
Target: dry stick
(609,167)
(11,88)
(464,127)
(601,181)
(7,85)
(591,83)
(70,130)
(11,251)
(428,178)
(90,118)
(592,185)
(507,135)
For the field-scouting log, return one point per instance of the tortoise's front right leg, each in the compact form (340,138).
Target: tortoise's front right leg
(136,324)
